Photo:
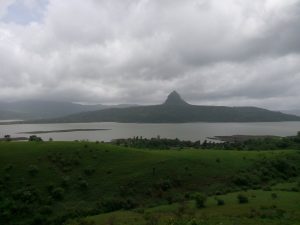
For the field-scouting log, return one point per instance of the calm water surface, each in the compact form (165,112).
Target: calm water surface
(186,131)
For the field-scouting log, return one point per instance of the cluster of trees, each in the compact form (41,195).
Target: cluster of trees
(267,143)
(156,143)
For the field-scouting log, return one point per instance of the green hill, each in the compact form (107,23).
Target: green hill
(51,182)
(176,110)
(268,207)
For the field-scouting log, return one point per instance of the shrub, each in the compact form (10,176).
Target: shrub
(295,189)
(193,222)
(114,204)
(89,171)
(8,168)
(200,200)
(242,199)
(65,181)
(33,170)
(46,210)
(82,222)
(241,180)
(151,219)
(220,202)
(267,188)
(83,184)
(50,187)
(58,193)
(35,138)
(274,195)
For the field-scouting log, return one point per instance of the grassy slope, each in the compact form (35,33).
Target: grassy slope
(117,167)
(259,210)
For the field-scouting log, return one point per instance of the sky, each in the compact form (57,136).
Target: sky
(229,52)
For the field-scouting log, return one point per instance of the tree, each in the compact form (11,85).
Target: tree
(7,137)
(35,138)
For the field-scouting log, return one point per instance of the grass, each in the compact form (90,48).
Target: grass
(261,209)
(94,175)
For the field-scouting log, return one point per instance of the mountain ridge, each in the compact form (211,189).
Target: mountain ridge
(38,109)
(176,110)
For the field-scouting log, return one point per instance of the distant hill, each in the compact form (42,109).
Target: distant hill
(36,109)
(176,110)
(11,115)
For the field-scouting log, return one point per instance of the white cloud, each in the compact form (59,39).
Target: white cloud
(232,52)
(4,5)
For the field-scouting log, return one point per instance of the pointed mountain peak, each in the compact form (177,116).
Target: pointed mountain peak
(175,99)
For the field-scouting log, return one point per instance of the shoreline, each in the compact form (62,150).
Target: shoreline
(241,138)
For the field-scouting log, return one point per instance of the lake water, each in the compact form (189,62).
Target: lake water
(185,131)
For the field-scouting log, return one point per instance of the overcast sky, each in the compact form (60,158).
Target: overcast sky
(229,52)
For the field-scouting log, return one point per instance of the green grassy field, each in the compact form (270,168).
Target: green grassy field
(261,209)
(52,182)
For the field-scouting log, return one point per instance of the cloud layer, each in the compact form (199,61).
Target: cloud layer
(231,52)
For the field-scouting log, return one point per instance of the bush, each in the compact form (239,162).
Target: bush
(151,219)
(193,222)
(83,184)
(50,187)
(35,138)
(274,195)
(8,168)
(241,180)
(65,181)
(164,185)
(242,199)
(220,202)
(89,171)
(33,170)
(114,204)
(58,193)
(200,200)
(46,210)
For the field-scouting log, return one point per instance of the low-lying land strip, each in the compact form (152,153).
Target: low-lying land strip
(60,131)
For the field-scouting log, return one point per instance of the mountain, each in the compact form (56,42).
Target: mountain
(11,115)
(36,109)
(176,110)
(174,99)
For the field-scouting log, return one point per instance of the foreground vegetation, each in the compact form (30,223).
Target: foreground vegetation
(63,182)
(272,206)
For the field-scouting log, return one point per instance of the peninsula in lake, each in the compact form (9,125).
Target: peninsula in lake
(176,110)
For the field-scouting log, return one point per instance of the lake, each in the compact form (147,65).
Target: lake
(183,131)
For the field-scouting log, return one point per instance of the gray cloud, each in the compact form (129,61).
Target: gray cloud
(229,52)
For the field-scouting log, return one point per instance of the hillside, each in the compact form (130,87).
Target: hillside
(269,207)
(176,110)
(56,181)
(37,109)
(11,115)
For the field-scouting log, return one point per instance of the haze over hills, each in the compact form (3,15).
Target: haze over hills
(176,110)
(37,109)
(292,111)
